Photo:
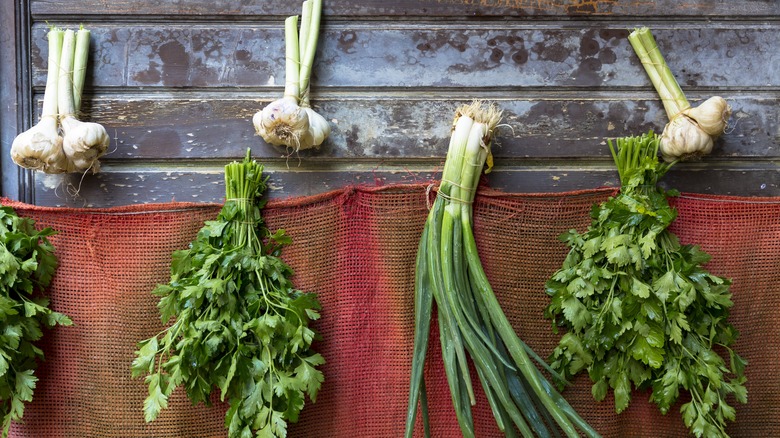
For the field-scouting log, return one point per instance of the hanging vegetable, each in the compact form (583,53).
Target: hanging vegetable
(639,308)
(27,264)
(40,147)
(449,272)
(290,121)
(240,325)
(691,132)
(82,142)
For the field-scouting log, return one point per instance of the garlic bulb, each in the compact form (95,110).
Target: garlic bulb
(691,132)
(40,148)
(712,115)
(282,123)
(683,139)
(290,121)
(83,143)
(319,129)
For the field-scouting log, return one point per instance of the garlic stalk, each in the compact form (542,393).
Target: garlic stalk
(83,142)
(290,121)
(40,147)
(691,132)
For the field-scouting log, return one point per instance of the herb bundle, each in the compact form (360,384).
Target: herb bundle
(27,264)
(240,324)
(639,307)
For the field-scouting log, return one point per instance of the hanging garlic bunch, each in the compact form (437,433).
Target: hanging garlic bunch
(691,132)
(290,121)
(40,147)
(82,142)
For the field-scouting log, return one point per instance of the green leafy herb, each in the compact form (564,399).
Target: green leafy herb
(27,264)
(639,307)
(240,324)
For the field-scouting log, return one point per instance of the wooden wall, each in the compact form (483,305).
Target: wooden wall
(177,82)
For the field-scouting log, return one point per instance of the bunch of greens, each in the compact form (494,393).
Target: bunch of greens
(639,307)
(240,323)
(27,264)
(449,272)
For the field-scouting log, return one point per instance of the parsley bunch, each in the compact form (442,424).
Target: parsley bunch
(639,307)
(240,324)
(27,264)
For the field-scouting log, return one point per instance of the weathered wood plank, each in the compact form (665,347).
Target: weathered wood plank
(426,8)
(122,187)
(402,127)
(592,55)
(16,99)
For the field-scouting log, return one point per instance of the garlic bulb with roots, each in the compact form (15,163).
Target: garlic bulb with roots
(83,144)
(40,147)
(290,121)
(691,132)
(282,122)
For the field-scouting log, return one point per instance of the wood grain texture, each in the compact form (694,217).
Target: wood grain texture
(177,82)
(121,186)
(399,127)
(411,8)
(15,96)
(581,55)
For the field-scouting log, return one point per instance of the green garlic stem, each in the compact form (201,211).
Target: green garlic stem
(662,67)
(307,60)
(665,84)
(303,36)
(80,65)
(65,85)
(291,78)
(52,76)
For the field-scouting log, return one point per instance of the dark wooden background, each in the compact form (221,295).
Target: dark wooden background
(177,82)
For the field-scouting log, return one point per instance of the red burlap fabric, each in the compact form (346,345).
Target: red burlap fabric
(356,248)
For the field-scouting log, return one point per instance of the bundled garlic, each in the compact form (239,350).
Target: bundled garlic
(290,121)
(83,142)
(40,147)
(691,132)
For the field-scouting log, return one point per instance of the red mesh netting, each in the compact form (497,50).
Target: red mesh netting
(356,248)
